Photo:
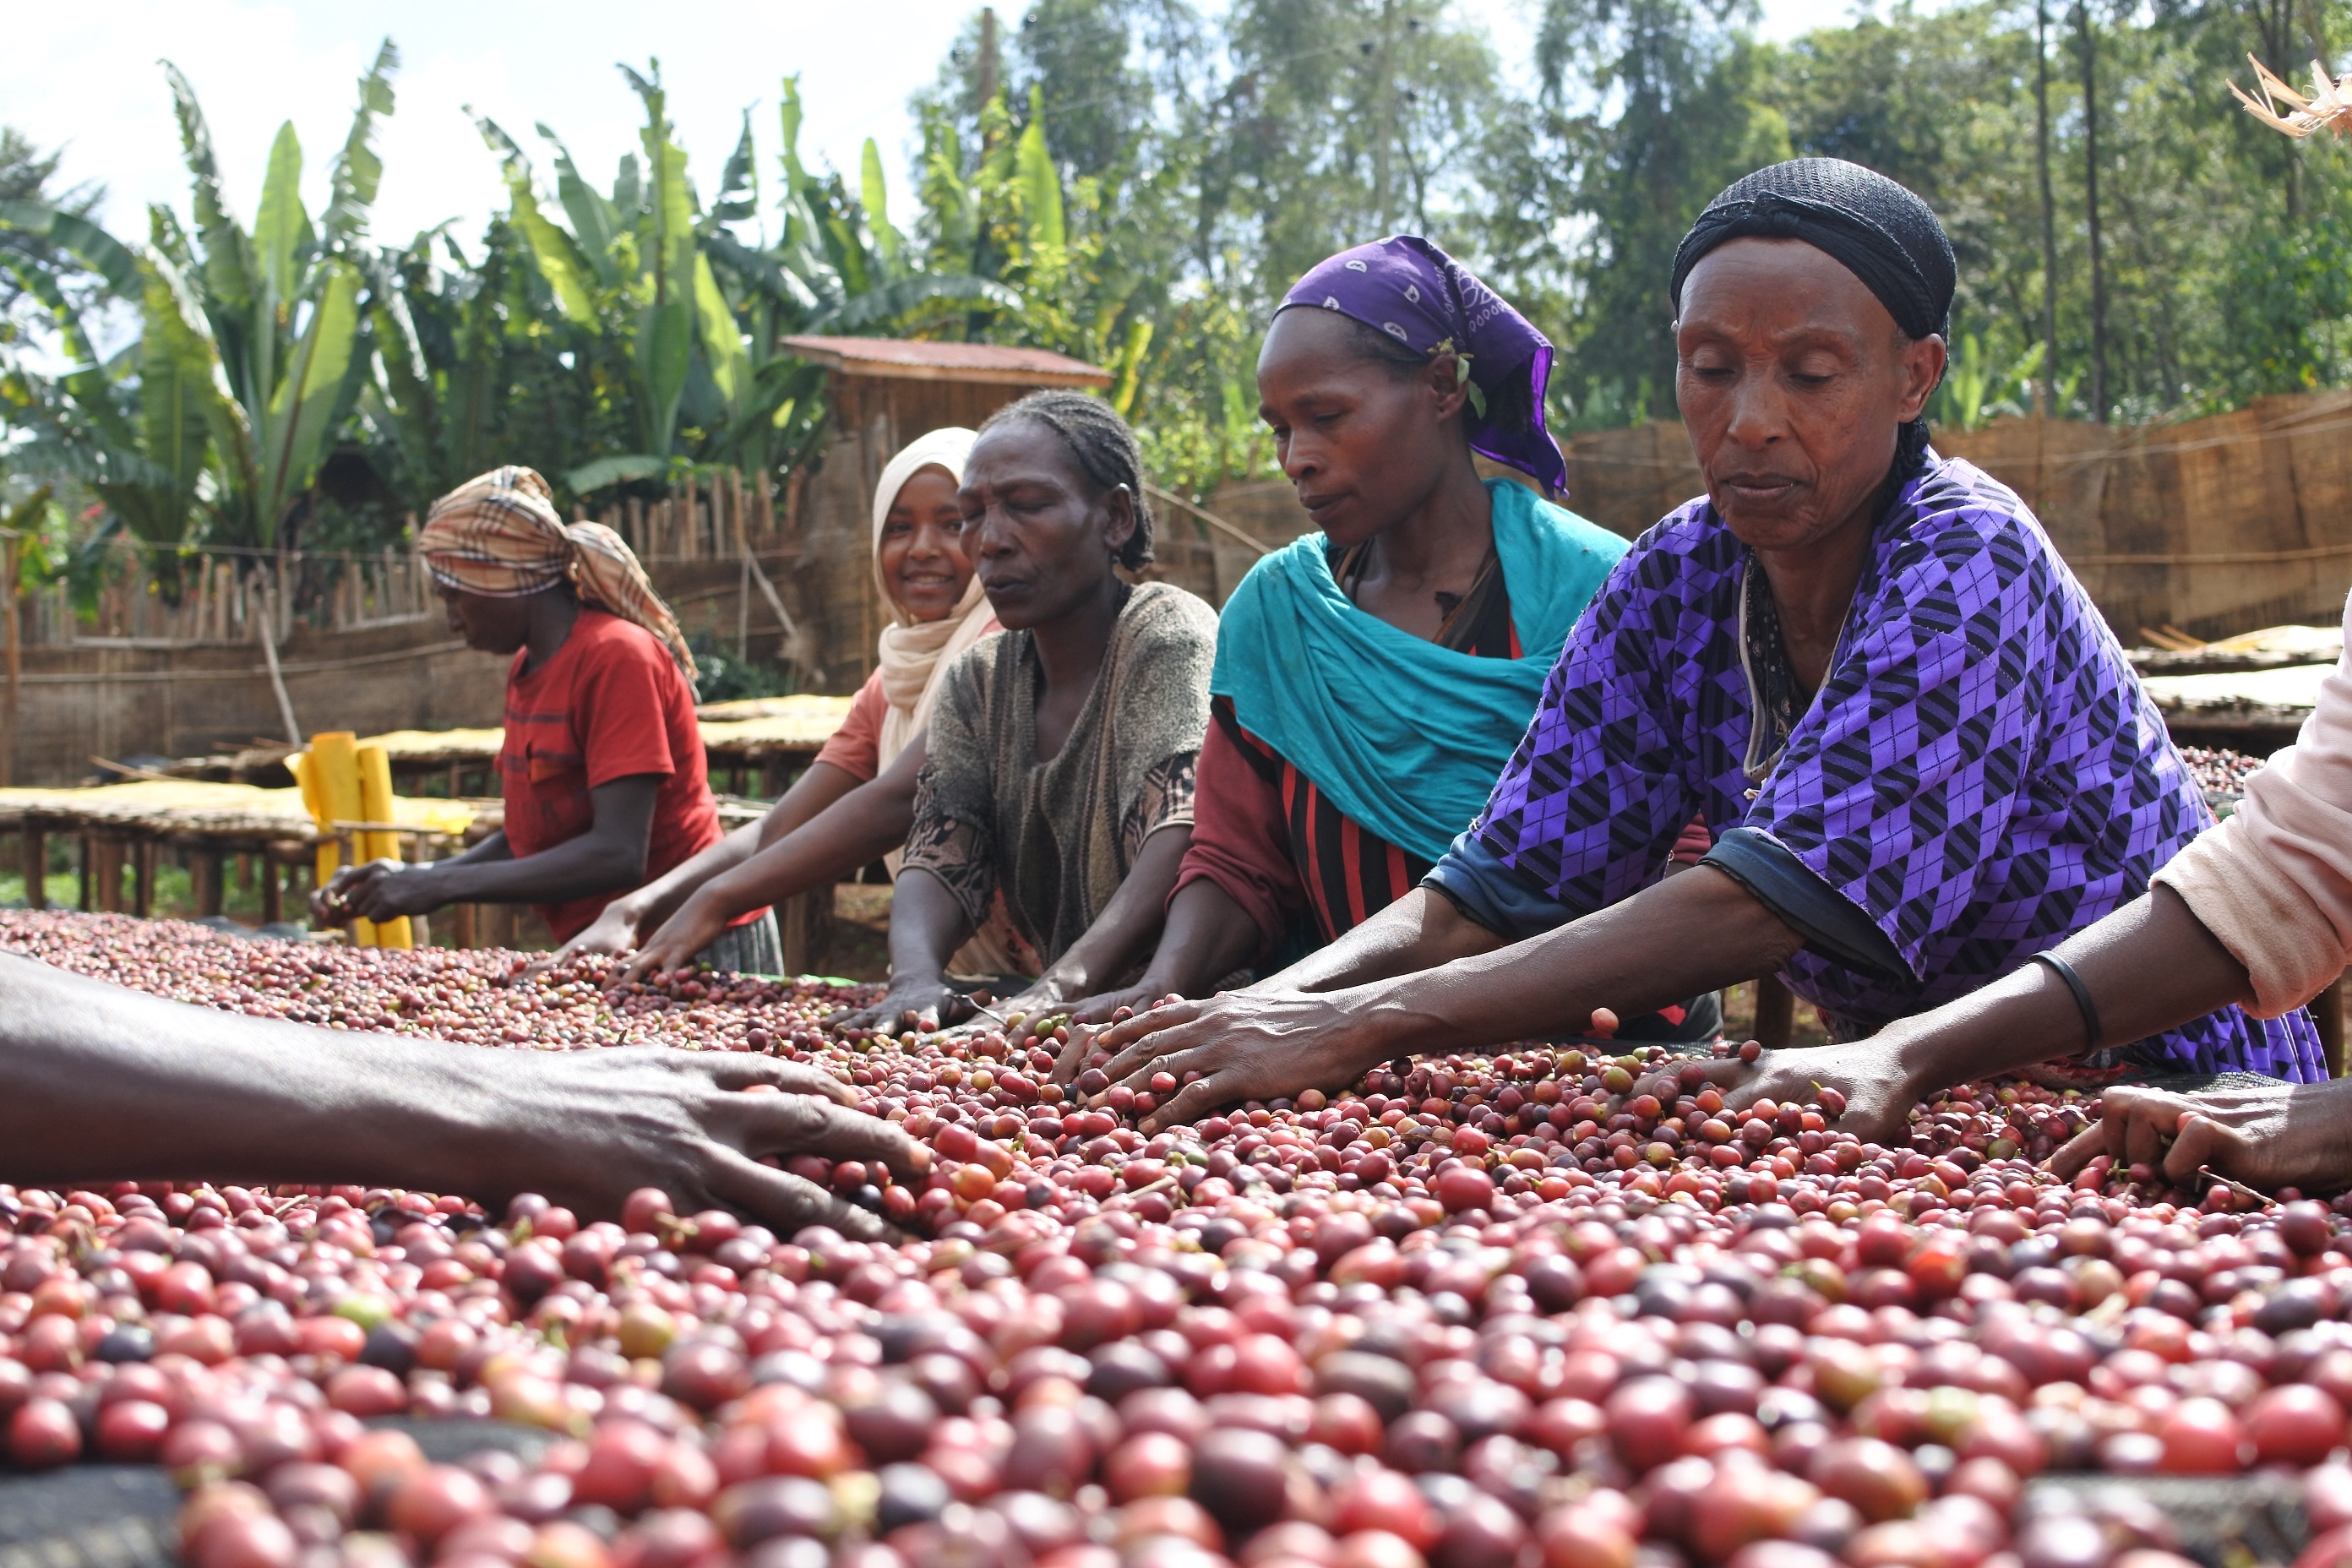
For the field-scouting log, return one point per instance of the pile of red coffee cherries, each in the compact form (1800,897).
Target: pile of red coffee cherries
(1547,1307)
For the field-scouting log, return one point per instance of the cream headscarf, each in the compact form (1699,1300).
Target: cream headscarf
(914,652)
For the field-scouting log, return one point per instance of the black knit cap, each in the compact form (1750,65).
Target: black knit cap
(1880,232)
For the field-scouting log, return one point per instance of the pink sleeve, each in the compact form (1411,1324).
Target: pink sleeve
(2273,883)
(856,747)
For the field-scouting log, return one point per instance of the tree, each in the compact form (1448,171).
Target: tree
(246,361)
(28,174)
(1672,111)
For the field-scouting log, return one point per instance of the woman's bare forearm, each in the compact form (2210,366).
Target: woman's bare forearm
(854,831)
(1123,934)
(1681,936)
(107,1083)
(1207,937)
(1419,931)
(927,926)
(654,902)
(2149,966)
(819,785)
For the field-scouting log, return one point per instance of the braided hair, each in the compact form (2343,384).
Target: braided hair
(1105,447)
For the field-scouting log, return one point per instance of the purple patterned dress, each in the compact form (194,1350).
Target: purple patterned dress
(1979,776)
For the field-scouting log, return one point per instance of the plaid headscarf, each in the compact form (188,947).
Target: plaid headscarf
(501,537)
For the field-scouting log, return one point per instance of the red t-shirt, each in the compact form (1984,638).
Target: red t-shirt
(856,747)
(611,704)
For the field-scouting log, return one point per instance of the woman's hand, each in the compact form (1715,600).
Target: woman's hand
(2282,1135)
(698,923)
(1241,1045)
(587,1128)
(1100,1008)
(376,890)
(612,932)
(913,1000)
(1879,1094)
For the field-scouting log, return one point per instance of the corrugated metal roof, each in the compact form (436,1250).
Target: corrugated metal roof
(948,362)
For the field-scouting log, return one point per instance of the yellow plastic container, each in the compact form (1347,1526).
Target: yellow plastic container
(331,787)
(376,805)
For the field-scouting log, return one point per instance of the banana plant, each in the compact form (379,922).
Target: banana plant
(629,268)
(837,266)
(247,359)
(1977,391)
(1004,212)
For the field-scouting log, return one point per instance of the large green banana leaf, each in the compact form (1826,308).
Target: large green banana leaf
(360,171)
(92,245)
(229,286)
(179,393)
(295,427)
(281,225)
(723,343)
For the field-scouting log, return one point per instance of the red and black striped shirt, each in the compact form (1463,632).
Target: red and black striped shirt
(1276,844)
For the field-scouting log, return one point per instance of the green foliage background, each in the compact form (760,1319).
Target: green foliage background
(1135,182)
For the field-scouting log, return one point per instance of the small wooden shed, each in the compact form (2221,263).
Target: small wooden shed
(885,392)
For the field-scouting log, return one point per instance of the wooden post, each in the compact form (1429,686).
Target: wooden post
(88,875)
(34,843)
(13,600)
(106,874)
(141,852)
(210,874)
(461,925)
(1776,1013)
(744,609)
(804,923)
(273,887)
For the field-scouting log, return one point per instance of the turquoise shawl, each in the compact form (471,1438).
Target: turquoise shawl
(1406,737)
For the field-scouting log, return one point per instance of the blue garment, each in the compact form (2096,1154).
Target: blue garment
(1404,736)
(1979,776)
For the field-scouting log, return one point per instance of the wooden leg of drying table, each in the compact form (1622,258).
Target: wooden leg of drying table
(461,925)
(35,846)
(273,888)
(106,865)
(804,925)
(142,853)
(88,869)
(1776,1013)
(209,871)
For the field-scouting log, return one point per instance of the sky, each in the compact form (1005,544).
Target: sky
(92,83)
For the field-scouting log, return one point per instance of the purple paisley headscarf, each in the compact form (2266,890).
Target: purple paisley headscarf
(1408,288)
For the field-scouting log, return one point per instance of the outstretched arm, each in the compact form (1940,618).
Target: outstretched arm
(630,916)
(1207,937)
(1123,935)
(866,823)
(927,925)
(2149,966)
(104,1083)
(610,855)
(1683,935)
